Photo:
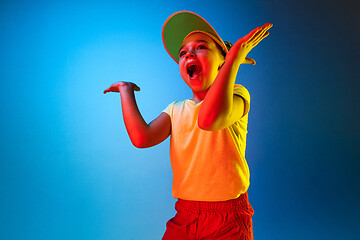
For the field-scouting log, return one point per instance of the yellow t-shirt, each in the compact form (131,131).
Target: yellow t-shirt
(207,165)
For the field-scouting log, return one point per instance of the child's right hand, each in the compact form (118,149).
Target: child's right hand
(115,87)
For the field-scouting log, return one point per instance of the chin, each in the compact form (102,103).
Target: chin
(201,88)
(196,83)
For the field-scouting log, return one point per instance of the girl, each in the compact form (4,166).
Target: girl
(208,131)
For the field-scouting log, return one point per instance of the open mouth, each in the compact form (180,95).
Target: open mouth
(193,70)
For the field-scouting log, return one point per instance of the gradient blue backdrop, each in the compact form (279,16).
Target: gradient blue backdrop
(68,170)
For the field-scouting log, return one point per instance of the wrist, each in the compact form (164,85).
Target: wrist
(125,89)
(235,62)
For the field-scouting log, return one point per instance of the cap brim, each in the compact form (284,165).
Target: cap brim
(181,24)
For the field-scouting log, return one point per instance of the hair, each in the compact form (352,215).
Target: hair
(228,46)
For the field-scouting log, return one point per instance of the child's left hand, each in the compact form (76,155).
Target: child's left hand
(243,46)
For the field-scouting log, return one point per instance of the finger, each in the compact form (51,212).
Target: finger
(254,34)
(245,38)
(267,25)
(260,33)
(259,40)
(249,61)
(136,88)
(112,89)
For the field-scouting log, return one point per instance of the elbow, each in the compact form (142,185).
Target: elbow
(212,120)
(139,145)
(206,120)
(139,141)
(212,123)
(206,124)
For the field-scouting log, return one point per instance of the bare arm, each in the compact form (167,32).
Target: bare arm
(141,134)
(221,107)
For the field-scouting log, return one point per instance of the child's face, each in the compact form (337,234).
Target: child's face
(199,61)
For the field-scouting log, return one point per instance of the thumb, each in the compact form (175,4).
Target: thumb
(136,87)
(249,61)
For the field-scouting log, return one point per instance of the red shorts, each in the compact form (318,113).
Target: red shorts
(227,220)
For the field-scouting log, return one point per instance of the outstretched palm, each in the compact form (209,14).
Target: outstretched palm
(243,46)
(115,87)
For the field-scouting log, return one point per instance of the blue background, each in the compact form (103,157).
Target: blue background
(68,169)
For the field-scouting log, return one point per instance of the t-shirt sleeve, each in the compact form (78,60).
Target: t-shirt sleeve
(169,109)
(244,93)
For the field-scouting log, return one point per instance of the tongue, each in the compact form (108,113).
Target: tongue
(194,70)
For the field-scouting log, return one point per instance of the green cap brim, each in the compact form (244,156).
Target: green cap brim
(181,24)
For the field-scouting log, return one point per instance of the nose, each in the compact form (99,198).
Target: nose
(190,55)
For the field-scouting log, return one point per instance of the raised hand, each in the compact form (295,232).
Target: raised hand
(141,134)
(243,46)
(115,87)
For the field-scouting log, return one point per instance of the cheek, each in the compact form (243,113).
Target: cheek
(209,66)
(210,61)
(182,69)
(183,72)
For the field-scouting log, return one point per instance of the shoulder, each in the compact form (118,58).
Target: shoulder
(174,105)
(242,91)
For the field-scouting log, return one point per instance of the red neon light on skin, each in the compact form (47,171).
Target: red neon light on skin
(200,51)
(216,111)
(220,108)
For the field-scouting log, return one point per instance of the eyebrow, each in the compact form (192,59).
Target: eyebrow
(196,42)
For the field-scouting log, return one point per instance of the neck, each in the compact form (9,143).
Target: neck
(199,96)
